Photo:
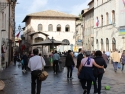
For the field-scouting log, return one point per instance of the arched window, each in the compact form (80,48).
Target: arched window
(39,27)
(38,39)
(107,18)
(107,44)
(101,20)
(67,28)
(58,27)
(101,44)
(97,44)
(113,16)
(66,41)
(113,44)
(50,27)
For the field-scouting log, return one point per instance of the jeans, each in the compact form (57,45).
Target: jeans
(55,66)
(34,79)
(122,67)
(88,87)
(115,64)
(69,71)
(99,77)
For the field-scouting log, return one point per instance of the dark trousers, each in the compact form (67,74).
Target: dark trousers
(35,80)
(69,71)
(99,77)
(88,87)
(55,66)
(24,66)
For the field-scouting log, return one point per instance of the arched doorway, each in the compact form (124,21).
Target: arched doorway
(66,47)
(107,44)
(101,44)
(113,44)
(97,44)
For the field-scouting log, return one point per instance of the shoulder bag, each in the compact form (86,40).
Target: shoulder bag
(43,75)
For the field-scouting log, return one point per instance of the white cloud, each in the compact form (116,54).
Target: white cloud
(78,8)
(37,5)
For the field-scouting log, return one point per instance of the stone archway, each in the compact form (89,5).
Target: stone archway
(102,45)
(107,44)
(97,44)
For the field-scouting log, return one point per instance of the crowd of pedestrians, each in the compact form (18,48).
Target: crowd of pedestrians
(91,66)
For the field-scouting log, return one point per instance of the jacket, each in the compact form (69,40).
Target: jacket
(116,57)
(105,57)
(100,61)
(69,61)
(79,58)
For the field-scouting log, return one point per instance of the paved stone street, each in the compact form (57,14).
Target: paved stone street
(19,83)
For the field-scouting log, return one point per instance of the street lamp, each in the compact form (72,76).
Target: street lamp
(52,44)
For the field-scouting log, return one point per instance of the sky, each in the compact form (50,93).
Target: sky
(25,7)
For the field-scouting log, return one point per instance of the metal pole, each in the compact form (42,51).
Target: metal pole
(52,44)
(9,38)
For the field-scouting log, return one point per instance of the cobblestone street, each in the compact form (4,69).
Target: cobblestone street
(19,83)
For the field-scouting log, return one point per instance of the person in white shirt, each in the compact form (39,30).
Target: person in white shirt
(36,63)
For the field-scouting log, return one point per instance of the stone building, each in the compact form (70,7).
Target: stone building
(88,34)
(7,20)
(47,24)
(107,24)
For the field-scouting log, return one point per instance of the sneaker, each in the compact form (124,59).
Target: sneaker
(70,78)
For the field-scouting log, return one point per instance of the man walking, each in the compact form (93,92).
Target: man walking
(105,57)
(36,63)
(116,59)
(79,58)
(56,58)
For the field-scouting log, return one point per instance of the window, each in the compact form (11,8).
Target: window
(50,27)
(39,27)
(58,27)
(102,1)
(2,19)
(67,28)
(113,16)
(107,18)
(101,20)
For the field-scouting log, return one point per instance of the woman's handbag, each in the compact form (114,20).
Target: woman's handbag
(2,85)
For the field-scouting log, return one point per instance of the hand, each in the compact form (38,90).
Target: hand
(78,73)
(102,67)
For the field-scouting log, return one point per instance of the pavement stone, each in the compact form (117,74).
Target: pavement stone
(19,83)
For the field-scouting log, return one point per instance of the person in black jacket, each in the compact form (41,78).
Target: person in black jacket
(69,64)
(79,58)
(98,73)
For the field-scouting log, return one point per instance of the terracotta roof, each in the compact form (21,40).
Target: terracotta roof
(50,13)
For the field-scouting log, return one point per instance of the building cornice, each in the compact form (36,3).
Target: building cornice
(104,26)
(92,9)
(102,4)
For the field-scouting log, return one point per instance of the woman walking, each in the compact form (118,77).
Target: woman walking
(98,73)
(69,64)
(85,72)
